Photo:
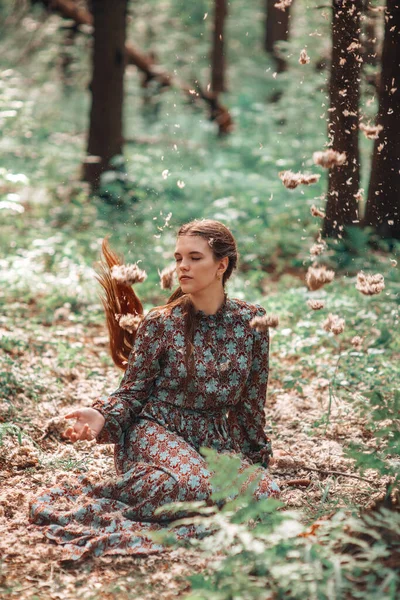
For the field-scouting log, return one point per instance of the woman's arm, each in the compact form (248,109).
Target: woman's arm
(247,419)
(122,406)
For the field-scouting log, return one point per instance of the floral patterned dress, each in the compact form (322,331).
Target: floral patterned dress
(158,419)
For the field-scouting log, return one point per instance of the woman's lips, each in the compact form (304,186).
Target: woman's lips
(185,278)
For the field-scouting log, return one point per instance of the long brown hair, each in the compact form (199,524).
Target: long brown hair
(121,298)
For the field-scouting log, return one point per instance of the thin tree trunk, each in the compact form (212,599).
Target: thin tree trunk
(277,23)
(344,181)
(218,48)
(383,203)
(107,87)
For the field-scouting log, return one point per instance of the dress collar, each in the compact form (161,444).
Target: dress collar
(200,314)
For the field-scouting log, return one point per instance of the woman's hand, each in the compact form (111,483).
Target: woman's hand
(89,423)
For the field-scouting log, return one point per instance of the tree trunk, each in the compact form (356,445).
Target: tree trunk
(145,64)
(218,48)
(344,181)
(105,132)
(277,24)
(383,204)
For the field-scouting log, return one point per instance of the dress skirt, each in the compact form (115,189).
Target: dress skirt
(155,464)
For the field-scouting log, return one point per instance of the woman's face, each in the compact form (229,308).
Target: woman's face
(195,259)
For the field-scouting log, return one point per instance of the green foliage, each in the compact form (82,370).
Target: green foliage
(14,381)
(66,464)
(261,552)
(117,187)
(383,424)
(10,429)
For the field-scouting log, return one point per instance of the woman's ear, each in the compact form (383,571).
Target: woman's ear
(224,262)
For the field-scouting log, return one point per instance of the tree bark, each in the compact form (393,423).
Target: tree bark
(107,87)
(218,48)
(383,203)
(344,90)
(277,23)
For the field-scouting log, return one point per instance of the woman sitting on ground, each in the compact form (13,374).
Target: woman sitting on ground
(196,375)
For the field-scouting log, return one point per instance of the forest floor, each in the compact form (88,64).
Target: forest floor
(53,341)
(59,366)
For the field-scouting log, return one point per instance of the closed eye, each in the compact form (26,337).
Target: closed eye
(178,259)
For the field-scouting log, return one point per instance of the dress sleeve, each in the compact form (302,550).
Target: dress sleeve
(122,406)
(247,418)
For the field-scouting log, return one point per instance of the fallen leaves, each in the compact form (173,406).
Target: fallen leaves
(21,456)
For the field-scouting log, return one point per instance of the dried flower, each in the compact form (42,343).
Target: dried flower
(370,284)
(167,277)
(283,4)
(317,249)
(357,341)
(129,322)
(316,304)
(292,180)
(265,322)
(317,277)
(317,212)
(353,46)
(371,131)
(329,158)
(334,323)
(128,274)
(304,58)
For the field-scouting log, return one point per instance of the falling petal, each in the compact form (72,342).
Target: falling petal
(334,324)
(317,277)
(128,274)
(265,322)
(369,285)
(292,180)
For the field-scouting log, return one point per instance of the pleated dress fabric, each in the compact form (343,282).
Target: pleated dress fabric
(158,419)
